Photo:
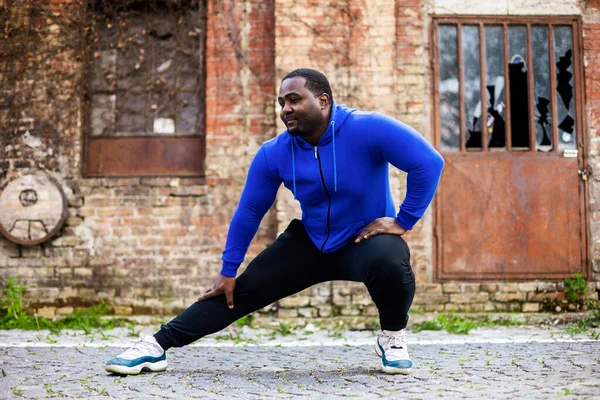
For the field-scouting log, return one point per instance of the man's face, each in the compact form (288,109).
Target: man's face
(301,111)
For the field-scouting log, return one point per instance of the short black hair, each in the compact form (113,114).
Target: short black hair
(316,82)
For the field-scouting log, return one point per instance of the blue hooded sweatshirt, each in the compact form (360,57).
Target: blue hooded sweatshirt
(342,184)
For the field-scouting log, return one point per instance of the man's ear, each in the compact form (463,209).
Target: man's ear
(324,100)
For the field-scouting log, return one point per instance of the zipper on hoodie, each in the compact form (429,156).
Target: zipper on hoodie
(328,198)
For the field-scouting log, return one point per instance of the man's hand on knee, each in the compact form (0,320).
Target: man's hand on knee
(223,284)
(381,225)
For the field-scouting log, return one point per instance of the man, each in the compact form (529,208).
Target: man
(335,161)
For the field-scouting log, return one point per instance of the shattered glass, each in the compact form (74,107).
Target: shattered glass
(518,68)
(541,88)
(448,86)
(494,78)
(472,86)
(565,93)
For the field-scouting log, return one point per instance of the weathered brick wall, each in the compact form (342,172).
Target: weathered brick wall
(45,78)
(591,54)
(154,244)
(142,243)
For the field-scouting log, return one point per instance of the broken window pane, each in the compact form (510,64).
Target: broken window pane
(494,78)
(132,64)
(565,92)
(132,67)
(161,50)
(163,69)
(103,114)
(188,73)
(162,107)
(472,85)
(188,114)
(448,87)
(131,114)
(519,94)
(130,28)
(541,87)
(104,70)
(105,29)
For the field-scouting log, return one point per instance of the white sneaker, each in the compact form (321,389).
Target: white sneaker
(393,352)
(146,354)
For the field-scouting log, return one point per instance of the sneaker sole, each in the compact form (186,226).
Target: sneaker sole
(147,366)
(390,370)
(394,371)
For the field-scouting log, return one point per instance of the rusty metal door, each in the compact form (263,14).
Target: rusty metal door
(511,203)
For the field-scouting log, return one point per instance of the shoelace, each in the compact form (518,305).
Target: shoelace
(396,341)
(137,345)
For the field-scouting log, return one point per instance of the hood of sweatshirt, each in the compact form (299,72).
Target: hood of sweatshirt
(339,115)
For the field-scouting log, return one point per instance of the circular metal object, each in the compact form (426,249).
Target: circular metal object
(33,208)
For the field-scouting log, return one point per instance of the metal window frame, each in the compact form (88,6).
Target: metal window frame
(505,21)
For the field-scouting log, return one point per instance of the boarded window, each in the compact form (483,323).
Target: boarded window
(146,88)
(507,84)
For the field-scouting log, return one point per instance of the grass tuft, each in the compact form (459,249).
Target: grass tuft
(458,325)
(13,315)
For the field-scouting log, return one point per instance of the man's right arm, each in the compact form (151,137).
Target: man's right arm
(257,197)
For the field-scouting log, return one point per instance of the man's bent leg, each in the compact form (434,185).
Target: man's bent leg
(382,262)
(289,265)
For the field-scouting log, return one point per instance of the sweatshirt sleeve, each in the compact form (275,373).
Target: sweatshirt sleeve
(257,197)
(407,150)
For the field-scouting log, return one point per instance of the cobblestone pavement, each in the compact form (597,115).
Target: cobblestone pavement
(483,364)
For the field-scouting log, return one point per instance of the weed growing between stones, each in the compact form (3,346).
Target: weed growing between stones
(452,324)
(575,288)
(235,337)
(13,315)
(458,325)
(284,329)
(246,320)
(583,327)
(589,325)
(132,331)
(577,293)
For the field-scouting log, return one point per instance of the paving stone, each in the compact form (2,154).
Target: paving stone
(491,370)
(503,362)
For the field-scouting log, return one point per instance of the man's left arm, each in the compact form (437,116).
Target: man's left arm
(403,147)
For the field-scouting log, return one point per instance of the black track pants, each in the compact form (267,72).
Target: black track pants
(291,264)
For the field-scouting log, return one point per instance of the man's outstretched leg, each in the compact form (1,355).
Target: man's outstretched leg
(382,263)
(292,263)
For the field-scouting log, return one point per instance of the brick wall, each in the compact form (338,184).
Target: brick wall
(154,244)
(591,54)
(142,243)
